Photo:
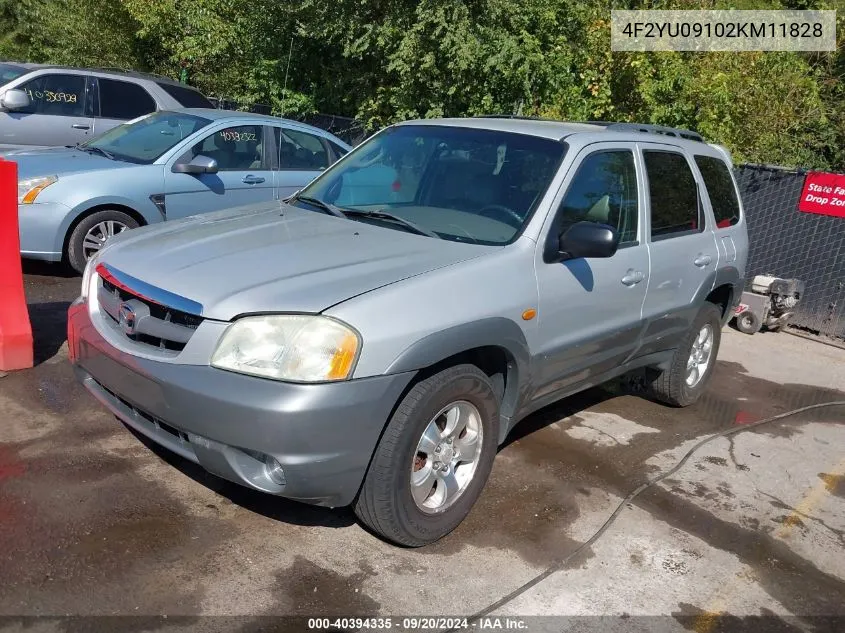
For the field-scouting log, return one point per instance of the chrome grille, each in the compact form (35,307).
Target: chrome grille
(143,320)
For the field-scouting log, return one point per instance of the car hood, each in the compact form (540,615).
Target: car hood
(276,259)
(59,161)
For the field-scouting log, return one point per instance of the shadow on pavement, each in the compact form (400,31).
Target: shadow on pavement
(270,506)
(49,328)
(47,269)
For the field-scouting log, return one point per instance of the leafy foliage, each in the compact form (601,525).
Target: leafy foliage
(387,60)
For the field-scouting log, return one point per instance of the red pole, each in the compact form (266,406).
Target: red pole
(15,330)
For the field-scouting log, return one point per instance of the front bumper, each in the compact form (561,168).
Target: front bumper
(42,229)
(323,435)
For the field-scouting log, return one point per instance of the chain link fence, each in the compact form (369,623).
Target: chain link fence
(788,243)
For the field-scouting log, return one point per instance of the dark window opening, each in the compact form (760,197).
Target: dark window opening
(673,192)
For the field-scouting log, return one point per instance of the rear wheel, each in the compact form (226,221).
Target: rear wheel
(434,458)
(89,236)
(692,363)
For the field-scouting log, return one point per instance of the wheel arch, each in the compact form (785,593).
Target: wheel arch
(496,345)
(105,206)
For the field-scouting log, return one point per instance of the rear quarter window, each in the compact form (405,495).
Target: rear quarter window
(720,190)
(123,99)
(188,97)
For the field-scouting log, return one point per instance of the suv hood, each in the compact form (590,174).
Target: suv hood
(276,258)
(59,161)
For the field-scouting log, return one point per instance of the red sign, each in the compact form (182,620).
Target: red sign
(823,193)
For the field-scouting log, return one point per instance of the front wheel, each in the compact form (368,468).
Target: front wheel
(434,458)
(89,236)
(693,361)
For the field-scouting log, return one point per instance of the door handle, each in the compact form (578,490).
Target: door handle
(252,180)
(702,260)
(81,126)
(632,277)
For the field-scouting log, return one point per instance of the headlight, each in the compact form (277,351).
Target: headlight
(29,189)
(299,348)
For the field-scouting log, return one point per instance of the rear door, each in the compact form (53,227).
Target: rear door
(115,102)
(244,175)
(590,312)
(57,114)
(723,199)
(299,158)
(681,244)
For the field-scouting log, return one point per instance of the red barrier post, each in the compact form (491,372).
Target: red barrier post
(15,329)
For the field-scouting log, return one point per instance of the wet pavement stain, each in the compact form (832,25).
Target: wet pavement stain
(699,620)
(790,579)
(834,484)
(306,589)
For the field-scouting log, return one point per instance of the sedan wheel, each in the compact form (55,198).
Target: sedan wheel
(98,234)
(92,232)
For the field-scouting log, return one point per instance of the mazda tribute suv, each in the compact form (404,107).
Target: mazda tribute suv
(374,338)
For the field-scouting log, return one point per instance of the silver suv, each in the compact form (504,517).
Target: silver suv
(373,340)
(42,106)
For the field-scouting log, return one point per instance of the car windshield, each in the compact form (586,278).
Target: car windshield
(462,184)
(144,140)
(9,72)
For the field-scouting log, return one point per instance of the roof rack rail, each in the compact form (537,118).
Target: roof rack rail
(510,116)
(653,129)
(130,71)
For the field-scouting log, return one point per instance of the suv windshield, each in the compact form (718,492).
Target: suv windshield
(144,140)
(9,72)
(464,184)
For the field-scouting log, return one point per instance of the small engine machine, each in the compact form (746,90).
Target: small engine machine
(770,303)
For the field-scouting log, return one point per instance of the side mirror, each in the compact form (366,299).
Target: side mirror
(587,239)
(15,100)
(199,165)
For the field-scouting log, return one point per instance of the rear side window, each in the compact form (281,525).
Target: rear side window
(300,150)
(674,196)
(720,190)
(188,97)
(604,190)
(57,95)
(123,100)
(339,152)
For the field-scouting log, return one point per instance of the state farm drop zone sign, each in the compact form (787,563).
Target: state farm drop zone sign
(824,194)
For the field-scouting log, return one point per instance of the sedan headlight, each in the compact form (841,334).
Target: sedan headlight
(300,348)
(29,189)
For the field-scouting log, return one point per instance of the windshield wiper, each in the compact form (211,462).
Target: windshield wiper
(384,215)
(354,213)
(98,150)
(326,206)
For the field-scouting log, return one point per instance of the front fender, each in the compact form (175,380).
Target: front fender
(146,208)
(497,332)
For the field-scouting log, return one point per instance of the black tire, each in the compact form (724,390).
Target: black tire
(385,504)
(670,385)
(75,249)
(748,322)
